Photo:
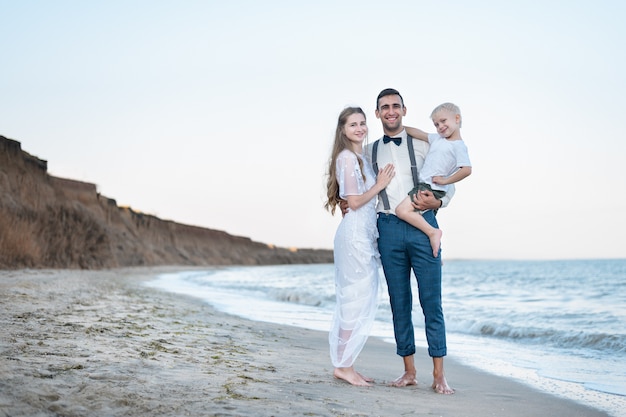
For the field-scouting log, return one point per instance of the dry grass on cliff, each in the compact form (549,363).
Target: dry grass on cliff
(16,243)
(56,237)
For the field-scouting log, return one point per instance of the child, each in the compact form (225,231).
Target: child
(447,162)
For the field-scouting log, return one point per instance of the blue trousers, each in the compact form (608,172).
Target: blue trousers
(402,248)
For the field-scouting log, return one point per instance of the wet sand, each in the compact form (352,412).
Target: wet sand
(100,343)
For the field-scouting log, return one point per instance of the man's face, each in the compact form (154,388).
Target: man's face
(390,112)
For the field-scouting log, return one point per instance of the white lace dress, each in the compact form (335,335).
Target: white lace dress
(357,265)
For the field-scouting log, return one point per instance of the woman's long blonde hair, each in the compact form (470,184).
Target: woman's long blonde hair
(341,142)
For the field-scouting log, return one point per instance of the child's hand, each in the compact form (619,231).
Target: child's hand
(440,180)
(385,175)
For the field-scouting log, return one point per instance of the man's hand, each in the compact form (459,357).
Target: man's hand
(425,200)
(343,205)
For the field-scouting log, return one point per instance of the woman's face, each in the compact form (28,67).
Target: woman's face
(355,129)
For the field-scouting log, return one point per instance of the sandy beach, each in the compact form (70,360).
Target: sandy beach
(100,343)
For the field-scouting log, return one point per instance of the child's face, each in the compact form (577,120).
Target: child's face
(448,124)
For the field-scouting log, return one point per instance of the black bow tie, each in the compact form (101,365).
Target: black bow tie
(387,139)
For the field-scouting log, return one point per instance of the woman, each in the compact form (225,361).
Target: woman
(355,251)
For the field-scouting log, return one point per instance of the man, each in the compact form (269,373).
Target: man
(403,247)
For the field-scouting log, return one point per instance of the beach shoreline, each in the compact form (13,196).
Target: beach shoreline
(86,343)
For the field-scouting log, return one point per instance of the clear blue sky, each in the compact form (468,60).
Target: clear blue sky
(221,114)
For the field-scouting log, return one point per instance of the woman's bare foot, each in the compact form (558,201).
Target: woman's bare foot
(351,376)
(435,241)
(365,378)
(440,385)
(406,379)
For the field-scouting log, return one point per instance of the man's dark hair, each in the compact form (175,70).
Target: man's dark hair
(389,92)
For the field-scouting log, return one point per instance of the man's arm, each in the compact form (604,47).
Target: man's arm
(425,200)
(343,205)
(445,200)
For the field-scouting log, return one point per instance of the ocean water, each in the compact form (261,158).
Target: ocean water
(559,326)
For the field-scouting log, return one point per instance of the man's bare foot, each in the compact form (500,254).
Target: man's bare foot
(406,379)
(351,376)
(435,241)
(440,385)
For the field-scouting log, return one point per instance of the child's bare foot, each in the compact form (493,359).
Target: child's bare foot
(435,241)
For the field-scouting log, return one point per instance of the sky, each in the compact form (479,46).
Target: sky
(222,114)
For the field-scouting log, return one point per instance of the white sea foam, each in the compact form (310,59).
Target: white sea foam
(565,321)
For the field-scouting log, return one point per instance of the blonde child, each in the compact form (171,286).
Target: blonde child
(447,162)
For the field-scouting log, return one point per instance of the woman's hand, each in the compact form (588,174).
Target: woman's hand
(385,176)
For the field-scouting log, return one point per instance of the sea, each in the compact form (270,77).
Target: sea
(558,326)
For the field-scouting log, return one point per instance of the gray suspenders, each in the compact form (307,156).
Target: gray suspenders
(383,193)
